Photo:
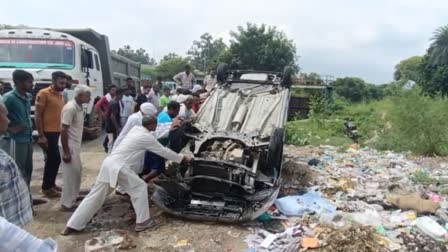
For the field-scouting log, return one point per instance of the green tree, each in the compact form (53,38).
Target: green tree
(433,78)
(394,88)
(408,69)
(260,48)
(169,65)
(140,55)
(351,88)
(204,53)
(433,69)
(310,79)
(374,92)
(438,52)
(170,56)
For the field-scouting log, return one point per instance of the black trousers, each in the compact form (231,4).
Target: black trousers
(177,137)
(105,143)
(52,161)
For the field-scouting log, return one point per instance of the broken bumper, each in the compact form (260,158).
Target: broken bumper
(178,200)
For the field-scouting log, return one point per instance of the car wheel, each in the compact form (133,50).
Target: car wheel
(275,152)
(221,73)
(288,72)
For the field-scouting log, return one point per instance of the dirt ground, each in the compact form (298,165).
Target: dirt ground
(116,214)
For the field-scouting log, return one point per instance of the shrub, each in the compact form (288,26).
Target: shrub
(326,123)
(418,124)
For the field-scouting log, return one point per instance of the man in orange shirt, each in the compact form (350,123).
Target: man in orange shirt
(49,104)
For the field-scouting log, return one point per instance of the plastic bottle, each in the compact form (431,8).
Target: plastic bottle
(431,228)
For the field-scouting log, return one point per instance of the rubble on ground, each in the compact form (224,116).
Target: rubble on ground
(360,200)
(109,241)
(343,200)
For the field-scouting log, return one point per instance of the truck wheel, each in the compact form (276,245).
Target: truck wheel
(221,73)
(288,72)
(93,120)
(275,152)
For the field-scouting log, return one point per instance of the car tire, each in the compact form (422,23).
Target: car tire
(288,72)
(221,73)
(275,152)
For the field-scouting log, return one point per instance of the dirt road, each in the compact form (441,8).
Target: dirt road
(116,214)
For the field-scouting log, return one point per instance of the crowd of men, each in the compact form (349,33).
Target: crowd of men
(143,130)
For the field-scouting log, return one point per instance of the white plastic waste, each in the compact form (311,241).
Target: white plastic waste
(310,202)
(368,217)
(431,228)
(336,220)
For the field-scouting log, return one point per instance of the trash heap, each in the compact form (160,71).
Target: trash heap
(356,200)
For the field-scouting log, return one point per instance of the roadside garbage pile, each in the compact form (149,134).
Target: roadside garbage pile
(356,200)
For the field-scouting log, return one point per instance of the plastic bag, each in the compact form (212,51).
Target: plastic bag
(309,202)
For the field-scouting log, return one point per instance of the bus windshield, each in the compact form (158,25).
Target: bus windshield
(36,53)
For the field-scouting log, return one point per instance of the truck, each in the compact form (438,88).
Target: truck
(83,54)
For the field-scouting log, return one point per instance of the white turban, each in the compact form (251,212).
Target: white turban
(148,108)
(196,88)
(183,98)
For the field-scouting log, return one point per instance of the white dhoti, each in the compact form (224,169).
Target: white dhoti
(71,174)
(129,181)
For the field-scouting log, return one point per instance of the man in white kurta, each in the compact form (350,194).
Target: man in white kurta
(146,109)
(72,119)
(162,130)
(121,168)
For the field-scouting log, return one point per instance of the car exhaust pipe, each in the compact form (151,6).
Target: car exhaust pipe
(239,117)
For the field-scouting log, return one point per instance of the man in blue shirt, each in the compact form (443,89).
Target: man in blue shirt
(18,104)
(154,165)
(172,110)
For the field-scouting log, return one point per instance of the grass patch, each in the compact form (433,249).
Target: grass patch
(406,122)
(312,132)
(417,124)
(329,129)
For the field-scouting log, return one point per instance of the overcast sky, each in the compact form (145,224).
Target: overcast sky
(363,38)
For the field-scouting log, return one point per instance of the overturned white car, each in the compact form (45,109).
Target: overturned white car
(238,149)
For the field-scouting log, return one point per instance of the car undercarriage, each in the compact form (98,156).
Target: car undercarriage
(237,146)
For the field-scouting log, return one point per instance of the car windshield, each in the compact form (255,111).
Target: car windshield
(36,53)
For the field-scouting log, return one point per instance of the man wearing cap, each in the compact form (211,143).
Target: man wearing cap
(135,120)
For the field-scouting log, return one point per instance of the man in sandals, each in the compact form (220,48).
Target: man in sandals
(72,119)
(121,168)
